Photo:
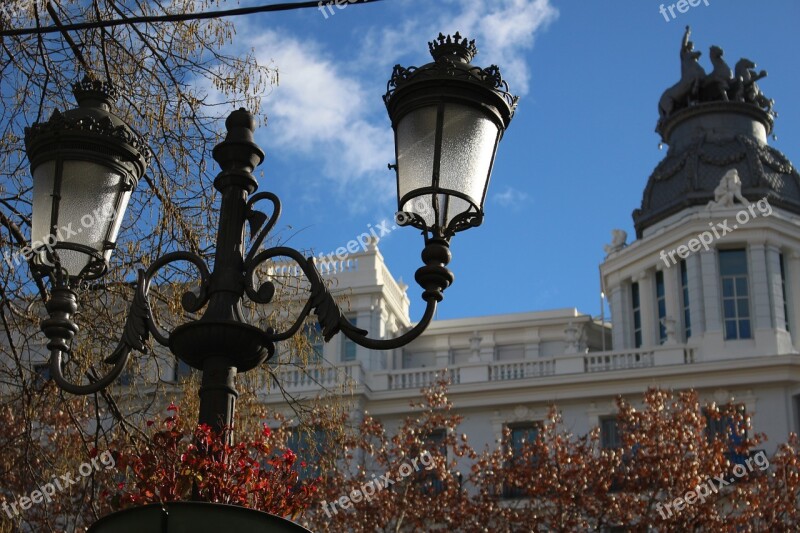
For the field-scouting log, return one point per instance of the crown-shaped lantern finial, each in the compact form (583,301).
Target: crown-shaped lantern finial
(91,92)
(453,48)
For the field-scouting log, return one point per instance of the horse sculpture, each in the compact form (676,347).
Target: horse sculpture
(745,88)
(717,84)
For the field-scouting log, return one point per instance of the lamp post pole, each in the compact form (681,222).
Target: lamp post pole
(237,155)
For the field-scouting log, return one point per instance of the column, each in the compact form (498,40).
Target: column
(759,289)
(442,347)
(620,333)
(709,269)
(672,295)
(531,343)
(694,277)
(792,259)
(369,360)
(775,286)
(647,303)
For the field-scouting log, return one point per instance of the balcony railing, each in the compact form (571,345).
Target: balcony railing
(419,378)
(313,379)
(522,370)
(412,379)
(618,360)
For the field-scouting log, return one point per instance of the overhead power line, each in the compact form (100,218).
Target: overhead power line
(179,17)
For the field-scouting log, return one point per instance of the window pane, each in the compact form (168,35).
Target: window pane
(732,262)
(609,433)
(727,287)
(730,329)
(348,350)
(741,286)
(743,307)
(729,308)
(744,329)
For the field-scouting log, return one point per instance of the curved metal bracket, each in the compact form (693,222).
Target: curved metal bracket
(139,324)
(134,337)
(434,277)
(257,220)
(191,301)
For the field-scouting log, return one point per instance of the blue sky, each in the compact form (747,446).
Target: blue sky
(574,161)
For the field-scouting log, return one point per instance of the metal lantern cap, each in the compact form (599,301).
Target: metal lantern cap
(451,76)
(91,128)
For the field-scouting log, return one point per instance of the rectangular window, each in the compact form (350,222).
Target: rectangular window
(610,436)
(435,444)
(735,294)
(521,434)
(687,315)
(730,429)
(661,305)
(637,316)
(182,370)
(308,446)
(783,291)
(316,341)
(797,412)
(42,374)
(348,346)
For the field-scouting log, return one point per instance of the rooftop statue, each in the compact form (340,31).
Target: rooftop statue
(695,86)
(687,89)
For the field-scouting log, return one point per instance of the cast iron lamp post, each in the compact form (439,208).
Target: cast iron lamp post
(448,117)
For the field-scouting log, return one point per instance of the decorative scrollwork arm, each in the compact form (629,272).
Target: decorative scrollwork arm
(434,278)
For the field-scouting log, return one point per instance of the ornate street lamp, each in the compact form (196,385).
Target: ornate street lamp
(85,164)
(448,118)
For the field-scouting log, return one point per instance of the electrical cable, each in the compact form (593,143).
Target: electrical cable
(179,17)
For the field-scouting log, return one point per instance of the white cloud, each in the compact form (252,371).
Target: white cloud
(504,31)
(510,197)
(327,106)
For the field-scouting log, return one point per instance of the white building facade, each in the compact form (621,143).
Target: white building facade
(707,297)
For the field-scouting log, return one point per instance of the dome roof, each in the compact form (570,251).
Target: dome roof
(706,141)
(715,123)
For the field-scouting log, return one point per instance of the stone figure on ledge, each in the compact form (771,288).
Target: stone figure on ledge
(618,238)
(722,84)
(728,190)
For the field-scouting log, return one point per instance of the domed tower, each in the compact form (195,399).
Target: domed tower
(715,267)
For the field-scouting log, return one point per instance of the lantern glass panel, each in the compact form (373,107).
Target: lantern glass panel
(87,210)
(469,138)
(416,138)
